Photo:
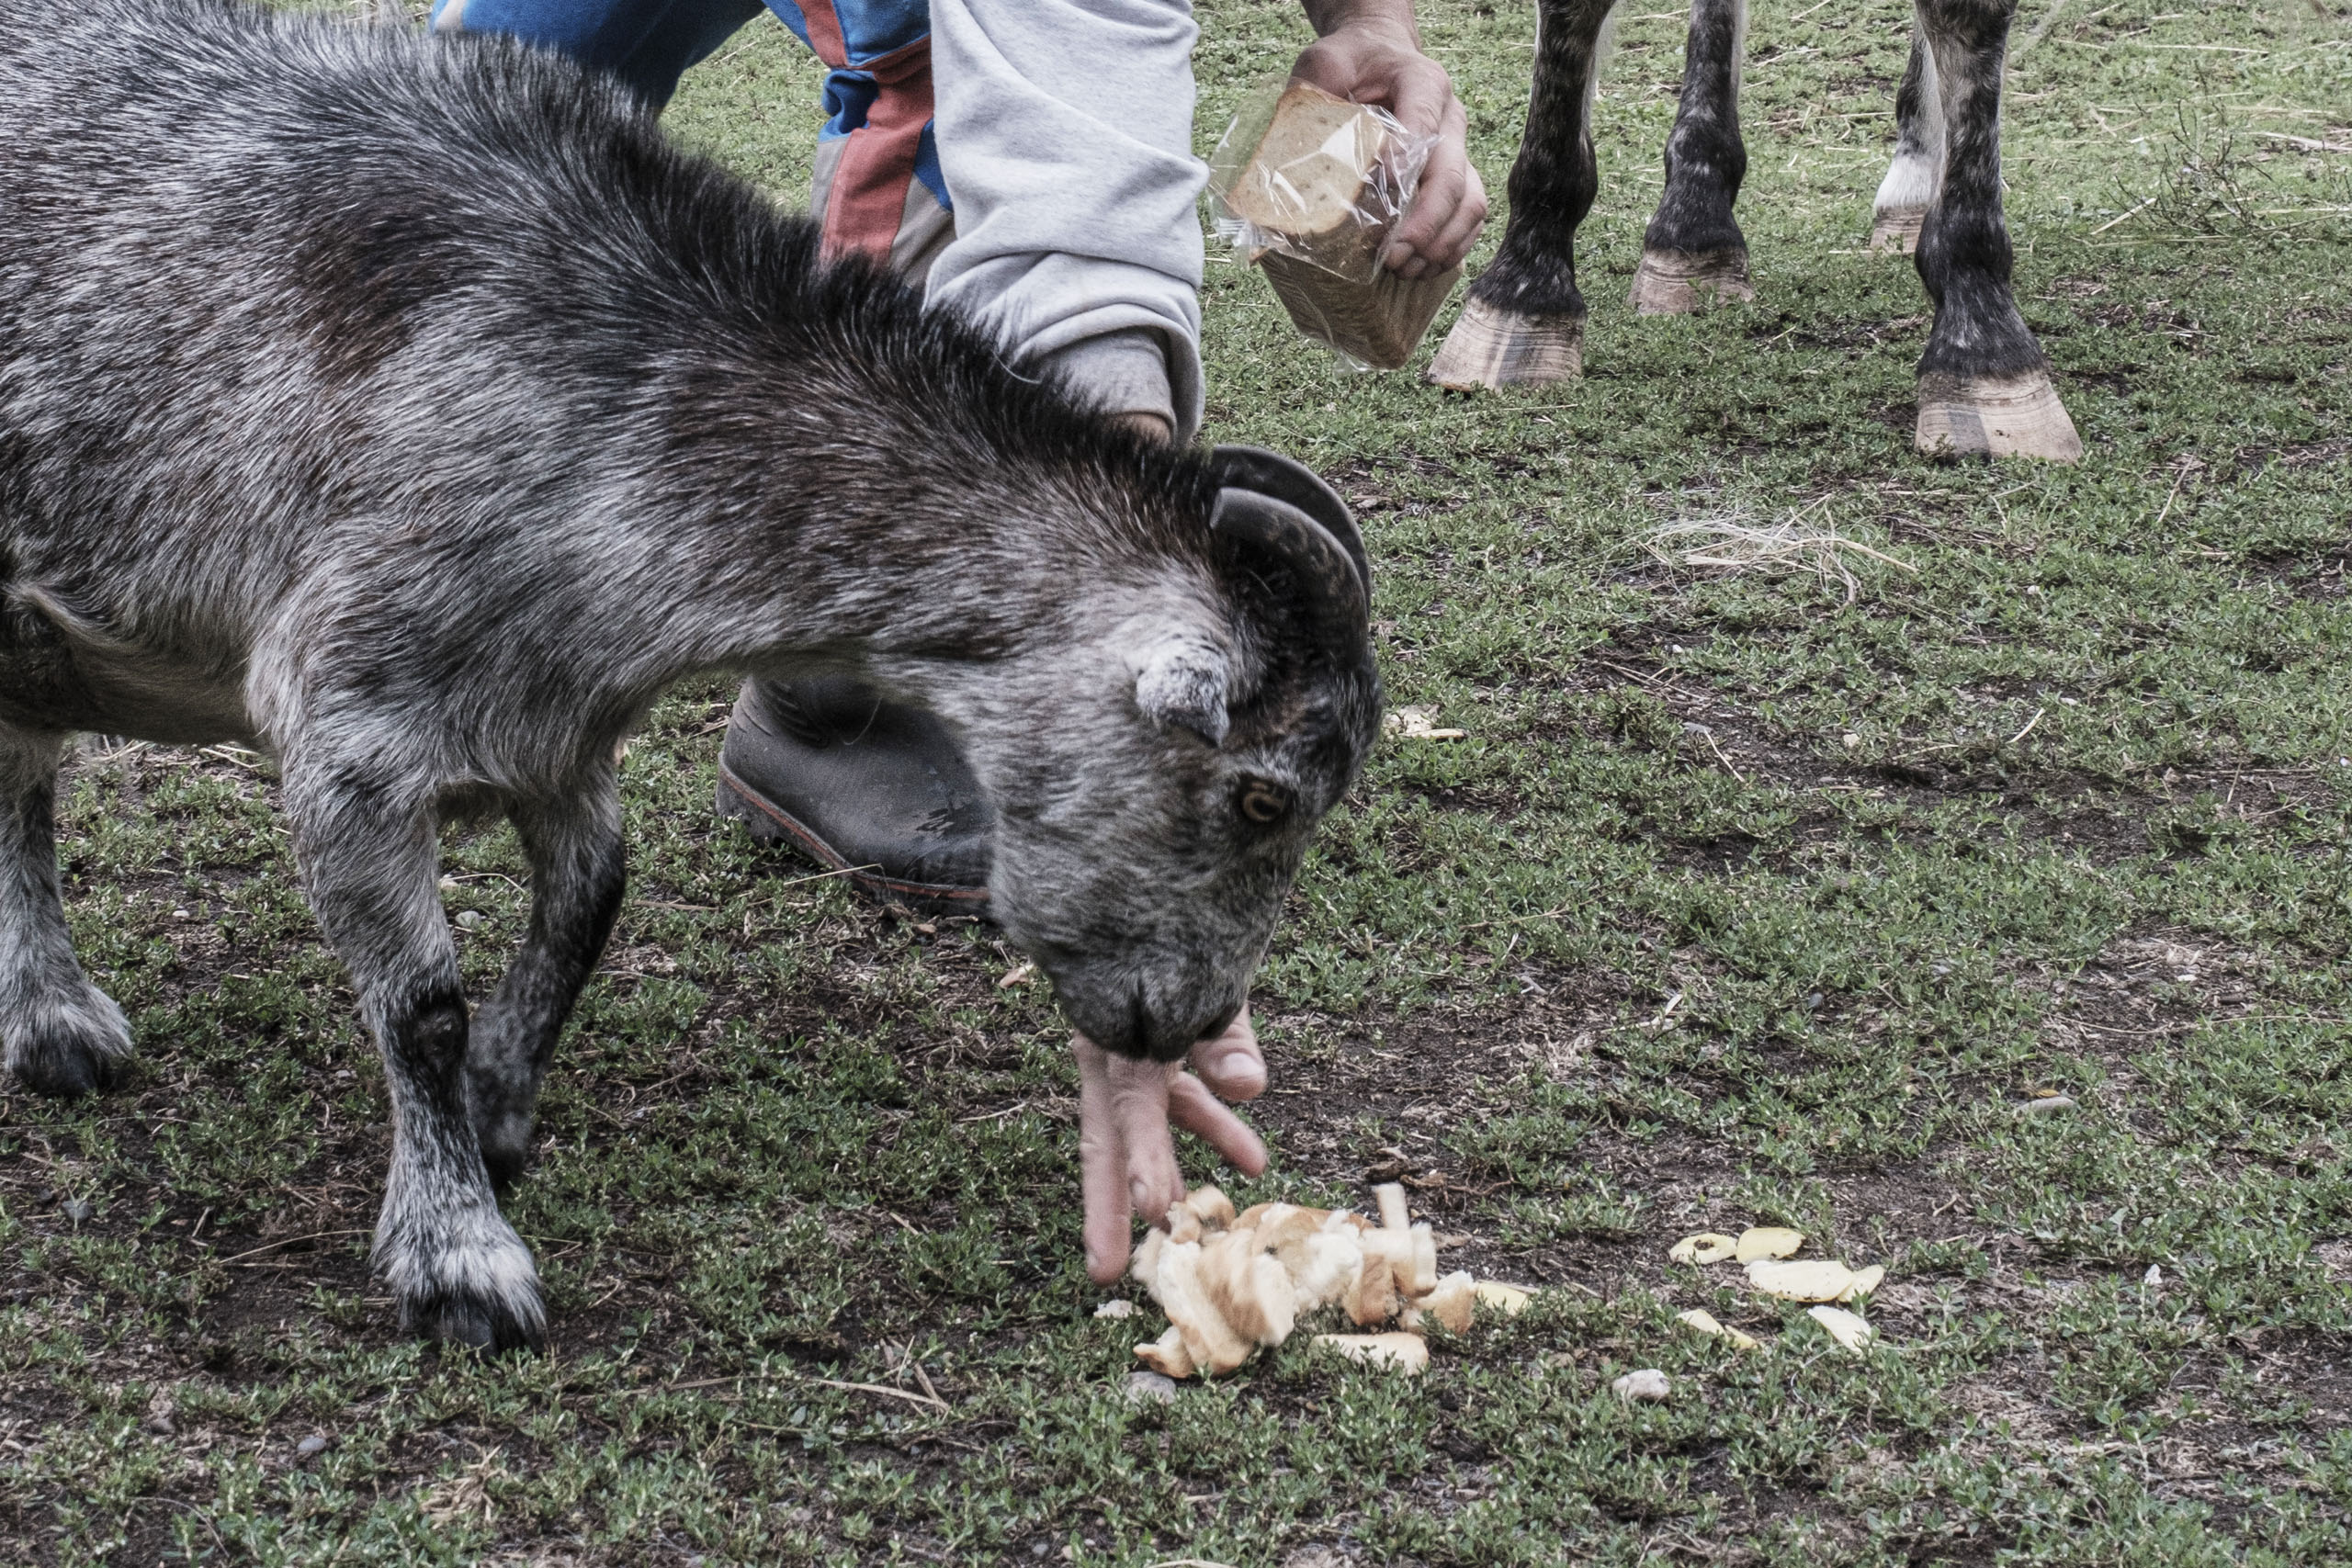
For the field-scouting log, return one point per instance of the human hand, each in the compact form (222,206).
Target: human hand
(1125,1153)
(1369,58)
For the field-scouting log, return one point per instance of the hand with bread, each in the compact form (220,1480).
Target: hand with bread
(1370,52)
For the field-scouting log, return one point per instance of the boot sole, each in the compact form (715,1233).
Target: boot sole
(771,824)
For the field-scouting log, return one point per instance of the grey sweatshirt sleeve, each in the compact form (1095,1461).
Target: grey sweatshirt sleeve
(1065,131)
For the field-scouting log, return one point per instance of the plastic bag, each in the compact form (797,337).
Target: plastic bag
(1310,187)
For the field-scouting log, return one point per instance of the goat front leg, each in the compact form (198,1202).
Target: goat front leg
(457,1271)
(1693,253)
(1523,320)
(1984,381)
(1909,188)
(63,1036)
(578,872)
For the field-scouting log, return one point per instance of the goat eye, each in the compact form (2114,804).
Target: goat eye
(1263,801)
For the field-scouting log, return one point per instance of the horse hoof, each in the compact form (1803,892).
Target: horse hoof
(1675,283)
(1996,416)
(1895,230)
(1493,347)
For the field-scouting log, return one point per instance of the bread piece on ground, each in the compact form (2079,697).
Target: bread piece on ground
(1407,1353)
(1183,1296)
(1246,1286)
(1167,1355)
(1198,1213)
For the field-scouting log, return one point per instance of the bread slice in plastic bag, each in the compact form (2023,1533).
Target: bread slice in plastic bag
(1310,187)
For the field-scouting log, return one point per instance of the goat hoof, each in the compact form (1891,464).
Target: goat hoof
(1897,229)
(1996,416)
(66,1051)
(1675,283)
(1493,347)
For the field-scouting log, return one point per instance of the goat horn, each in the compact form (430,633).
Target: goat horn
(1335,595)
(1287,478)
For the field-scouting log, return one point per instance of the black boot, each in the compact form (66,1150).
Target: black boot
(864,787)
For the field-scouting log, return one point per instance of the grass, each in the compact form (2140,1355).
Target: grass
(1741,902)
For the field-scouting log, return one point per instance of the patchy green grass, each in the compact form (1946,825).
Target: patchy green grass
(1742,902)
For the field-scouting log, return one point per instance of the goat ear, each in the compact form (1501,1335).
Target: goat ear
(1186,684)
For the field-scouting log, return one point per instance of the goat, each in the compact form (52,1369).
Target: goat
(411,407)
(1984,381)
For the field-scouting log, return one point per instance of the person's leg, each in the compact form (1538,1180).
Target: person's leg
(871,788)
(1065,135)
(877,189)
(648,44)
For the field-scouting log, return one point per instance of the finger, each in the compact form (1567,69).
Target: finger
(1434,207)
(1453,245)
(1201,1113)
(1231,1064)
(1139,1106)
(1102,1166)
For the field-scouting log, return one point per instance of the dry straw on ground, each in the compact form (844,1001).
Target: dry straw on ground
(1807,540)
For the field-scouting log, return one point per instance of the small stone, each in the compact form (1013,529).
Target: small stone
(162,1426)
(1852,739)
(179,914)
(2153,1278)
(1150,1388)
(1116,1306)
(468,919)
(2046,1105)
(310,1448)
(1649,1383)
(77,1209)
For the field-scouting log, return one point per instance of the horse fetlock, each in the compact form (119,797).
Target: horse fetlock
(66,1043)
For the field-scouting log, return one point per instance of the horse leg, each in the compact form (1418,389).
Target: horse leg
(1693,253)
(1523,320)
(1984,381)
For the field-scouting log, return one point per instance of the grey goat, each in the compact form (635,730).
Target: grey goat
(411,408)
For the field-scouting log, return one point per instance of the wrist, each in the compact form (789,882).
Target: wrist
(1391,17)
